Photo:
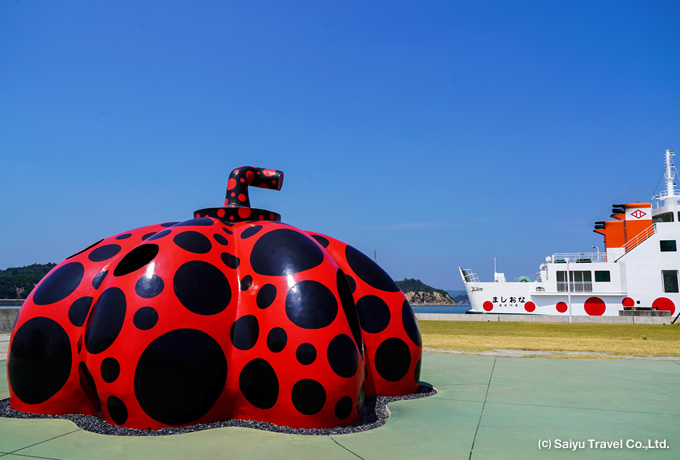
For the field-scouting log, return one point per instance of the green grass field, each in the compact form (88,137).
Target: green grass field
(613,339)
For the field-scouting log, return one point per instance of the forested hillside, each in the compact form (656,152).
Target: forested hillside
(18,282)
(418,292)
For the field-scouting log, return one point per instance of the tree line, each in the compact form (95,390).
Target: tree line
(18,282)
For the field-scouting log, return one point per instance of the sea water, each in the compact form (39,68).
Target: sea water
(11,303)
(441,308)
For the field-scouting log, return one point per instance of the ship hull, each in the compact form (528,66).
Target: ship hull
(523,299)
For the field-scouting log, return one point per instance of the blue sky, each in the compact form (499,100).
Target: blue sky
(438,133)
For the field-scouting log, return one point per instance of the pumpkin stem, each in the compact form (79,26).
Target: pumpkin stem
(244,176)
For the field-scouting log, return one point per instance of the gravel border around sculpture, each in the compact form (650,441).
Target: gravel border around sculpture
(375,414)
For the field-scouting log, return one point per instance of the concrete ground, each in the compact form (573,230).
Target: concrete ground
(487,408)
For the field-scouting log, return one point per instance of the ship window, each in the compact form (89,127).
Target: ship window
(670,280)
(562,281)
(579,281)
(602,276)
(668,245)
(665,217)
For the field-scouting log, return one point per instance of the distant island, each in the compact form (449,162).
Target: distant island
(419,293)
(18,282)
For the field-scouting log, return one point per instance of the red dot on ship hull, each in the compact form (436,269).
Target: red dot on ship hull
(530,306)
(663,303)
(595,306)
(561,307)
(488,306)
(628,302)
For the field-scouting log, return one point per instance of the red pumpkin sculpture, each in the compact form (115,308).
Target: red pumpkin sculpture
(231,314)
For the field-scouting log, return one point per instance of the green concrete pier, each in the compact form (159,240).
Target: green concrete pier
(486,408)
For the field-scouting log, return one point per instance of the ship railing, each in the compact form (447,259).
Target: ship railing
(469,276)
(640,237)
(579,257)
(663,203)
(665,194)
(575,286)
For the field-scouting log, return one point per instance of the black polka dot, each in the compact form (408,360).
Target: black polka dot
(106,320)
(110,370)
(416,374)
(244,332)
(284,252)
(193,242)
(103,253)
(160,235)
(347,302)
(227,231)
(230,261)
(352,284)
(410,324)
(311,305)
(203,222)
(250,231)
(98,278)
(343,407)
(124,236)
(305,354)
(59,284)
(342,356)
(145,318)
(136,259)
(276,340)
(89,387)
(392,359)
(258,384)
(308,396)
(86,249)
(369,271)
(220,239)
(78,311)
(169,224)
(117,410)
(321,240)
(246,281)
(149,286)
(374,314)
(39,360)
(180,376)
(148,235)
(265,296)
(202,288)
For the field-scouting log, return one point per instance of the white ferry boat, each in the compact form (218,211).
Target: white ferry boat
(638,268)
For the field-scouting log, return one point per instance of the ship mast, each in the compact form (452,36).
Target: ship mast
(670,177)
